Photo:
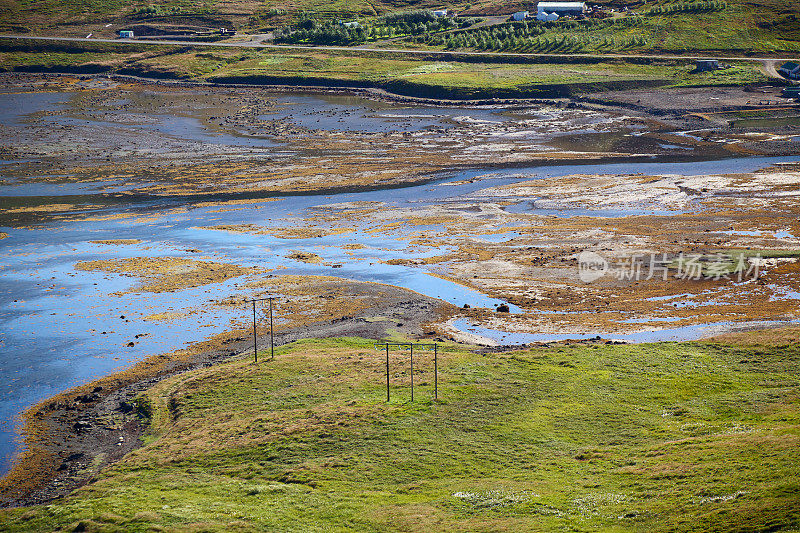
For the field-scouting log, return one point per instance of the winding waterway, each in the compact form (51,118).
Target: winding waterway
(60,327)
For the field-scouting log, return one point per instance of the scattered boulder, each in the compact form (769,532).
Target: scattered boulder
(87,398)
(81,425)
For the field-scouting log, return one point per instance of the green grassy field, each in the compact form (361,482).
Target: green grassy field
(658,437)
(737,29)
(741,27)
(416,76)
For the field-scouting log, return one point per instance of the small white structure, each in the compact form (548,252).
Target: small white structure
(126,34)
(561,8)
(520,15)
(439,13)
(791,70)
(351,24)
(543,16)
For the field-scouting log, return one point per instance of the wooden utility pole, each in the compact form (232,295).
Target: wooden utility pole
(255,337)
(411,345)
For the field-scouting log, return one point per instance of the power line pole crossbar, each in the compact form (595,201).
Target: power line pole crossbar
(271,336)
(411,346)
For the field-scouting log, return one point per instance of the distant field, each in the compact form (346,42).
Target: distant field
(758,26)
(395,72)
(732,30)
(656,437)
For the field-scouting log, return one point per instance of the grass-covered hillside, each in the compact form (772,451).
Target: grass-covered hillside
(659,437)
(674,26)
(405,74)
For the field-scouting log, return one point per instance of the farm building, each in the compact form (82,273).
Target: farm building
(704,65)
(351,24)
(790,70)
(561,8)
(520,15)
(438,13)
(126,34)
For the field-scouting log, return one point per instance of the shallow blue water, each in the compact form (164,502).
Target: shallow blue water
(52,339)
(53,318)
(15,108)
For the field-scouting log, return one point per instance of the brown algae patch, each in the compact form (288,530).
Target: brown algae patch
(305,257)
(307,233)
(49,208)
(167,274)
(244,201)
(113,242)
(166,316)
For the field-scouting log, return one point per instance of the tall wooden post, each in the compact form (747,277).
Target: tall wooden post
(387,372)
(412,372)
(255,341)
(435,374)
(271,339)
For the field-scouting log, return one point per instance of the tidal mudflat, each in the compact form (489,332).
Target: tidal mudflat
(137,220)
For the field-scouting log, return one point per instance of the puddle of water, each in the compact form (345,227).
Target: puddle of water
(742,233)
(529,208)
(16,108)
(669,297)
(650,320)
(783,293)
(499,237)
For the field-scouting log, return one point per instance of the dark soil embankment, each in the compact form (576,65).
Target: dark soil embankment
(407,88)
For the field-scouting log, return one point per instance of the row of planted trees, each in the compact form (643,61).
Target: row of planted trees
(703,6)
(549,36)
(451,33)
(543,43)
(309,29)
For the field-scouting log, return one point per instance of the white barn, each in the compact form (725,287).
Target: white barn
(560,8)
(438,13)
